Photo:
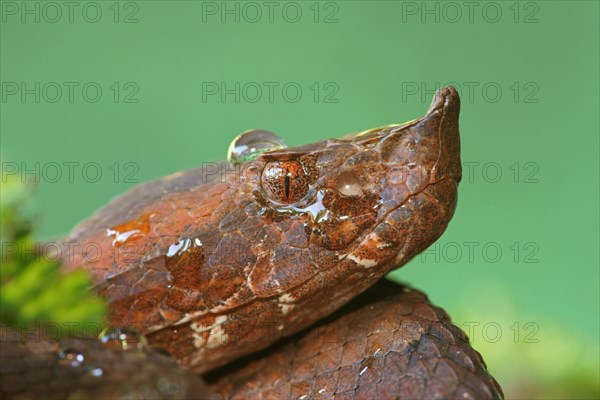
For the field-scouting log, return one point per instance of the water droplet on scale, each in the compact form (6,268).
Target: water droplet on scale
(348,184)
(250,144)
(131,230)
(317,210)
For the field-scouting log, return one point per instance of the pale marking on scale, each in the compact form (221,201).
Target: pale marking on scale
(190,316)
(219,319)
(285,302)
(216,336)
(365,262)
(286,298)
(223,307)
(285,308)
(155,328)
(368,241)
(371,237)
(198,340)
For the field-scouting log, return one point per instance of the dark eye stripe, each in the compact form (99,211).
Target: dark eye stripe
(287,184)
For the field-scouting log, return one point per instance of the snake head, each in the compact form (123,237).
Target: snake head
(201,261)
(362,205)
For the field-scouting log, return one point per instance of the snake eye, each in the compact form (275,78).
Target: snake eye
(285,181)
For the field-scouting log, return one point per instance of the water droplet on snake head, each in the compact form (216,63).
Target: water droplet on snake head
(250,144)
(348,184)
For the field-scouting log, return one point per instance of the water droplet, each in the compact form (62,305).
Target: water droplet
(124,338)
(325,392)
(250,144)
(97,372)
(179,247)
(131,230)
(185,253)
(348,184)
(365,365)
(167,386)
(317,210)
(70,357)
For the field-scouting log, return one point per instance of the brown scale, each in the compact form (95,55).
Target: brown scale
(389,343)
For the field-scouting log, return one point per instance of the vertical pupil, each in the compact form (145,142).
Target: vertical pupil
(287,184)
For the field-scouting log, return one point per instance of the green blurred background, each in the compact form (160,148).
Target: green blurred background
(518,268)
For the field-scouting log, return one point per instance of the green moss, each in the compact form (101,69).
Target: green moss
(34,290)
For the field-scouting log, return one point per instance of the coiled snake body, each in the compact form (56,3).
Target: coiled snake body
(218,263)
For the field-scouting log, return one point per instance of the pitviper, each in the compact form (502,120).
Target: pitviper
(218,263)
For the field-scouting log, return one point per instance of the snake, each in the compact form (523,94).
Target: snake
(264,278)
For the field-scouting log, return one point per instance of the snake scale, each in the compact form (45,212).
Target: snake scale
(265,277)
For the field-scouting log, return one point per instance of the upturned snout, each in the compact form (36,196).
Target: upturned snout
(443,114)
